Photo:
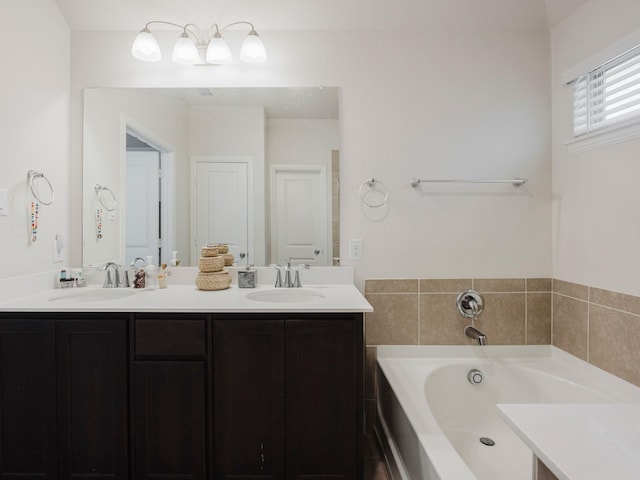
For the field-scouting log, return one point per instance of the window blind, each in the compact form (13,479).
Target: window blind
(608,94)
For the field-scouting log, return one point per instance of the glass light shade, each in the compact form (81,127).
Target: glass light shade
(145,47)
(218,52)
(185,51)
(252,50)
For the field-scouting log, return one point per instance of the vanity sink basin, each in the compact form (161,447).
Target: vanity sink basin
(92,295)
(285,295)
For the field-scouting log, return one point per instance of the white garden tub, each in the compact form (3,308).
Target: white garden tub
(431,418)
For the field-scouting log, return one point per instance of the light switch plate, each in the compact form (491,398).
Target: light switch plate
(4,201)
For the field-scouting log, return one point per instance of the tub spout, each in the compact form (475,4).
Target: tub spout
(471,332)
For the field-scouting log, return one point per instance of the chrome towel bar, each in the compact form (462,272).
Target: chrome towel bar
(516,182)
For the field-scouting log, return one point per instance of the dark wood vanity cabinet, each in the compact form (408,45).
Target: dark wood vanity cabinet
(168,397)
(181,396)
(248,398)
(63,397)
(91,365)
(28,446)
(288,396)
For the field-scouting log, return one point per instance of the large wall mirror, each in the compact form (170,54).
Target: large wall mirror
(172,169)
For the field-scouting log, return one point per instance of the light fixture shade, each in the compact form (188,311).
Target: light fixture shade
(185,51)
(145,47)
(252,50)
(218,52)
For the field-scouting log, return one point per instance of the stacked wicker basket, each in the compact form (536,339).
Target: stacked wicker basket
(212,274)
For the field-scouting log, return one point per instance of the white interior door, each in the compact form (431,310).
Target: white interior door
(143,205)
(222,207)
(299,215)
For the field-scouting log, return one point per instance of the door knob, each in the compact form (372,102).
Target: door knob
(316,252)
(242,255)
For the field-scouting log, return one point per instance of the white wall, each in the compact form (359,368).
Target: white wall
(596,222)
(34,129)
(235,132)
(165,120)
(302,141)
(463,104)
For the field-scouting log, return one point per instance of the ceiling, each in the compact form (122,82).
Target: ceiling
(278,102)
(114,15)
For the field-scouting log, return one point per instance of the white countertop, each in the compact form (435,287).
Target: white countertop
(185,298)
(580,441)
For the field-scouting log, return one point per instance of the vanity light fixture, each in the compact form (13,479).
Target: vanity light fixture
(199,47)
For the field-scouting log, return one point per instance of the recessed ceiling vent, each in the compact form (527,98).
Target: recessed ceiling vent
(204,92)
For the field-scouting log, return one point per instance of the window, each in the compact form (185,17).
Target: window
(608,94)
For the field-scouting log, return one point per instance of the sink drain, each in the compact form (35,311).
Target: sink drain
(487,441)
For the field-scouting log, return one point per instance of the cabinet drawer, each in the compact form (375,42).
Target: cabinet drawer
(170,339)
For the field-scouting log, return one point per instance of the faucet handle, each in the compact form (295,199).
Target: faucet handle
(278,283)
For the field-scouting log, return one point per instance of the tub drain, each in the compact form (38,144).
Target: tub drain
(487,441)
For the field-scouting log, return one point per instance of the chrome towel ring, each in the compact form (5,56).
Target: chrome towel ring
(108,204)
(31,176)
(373,185)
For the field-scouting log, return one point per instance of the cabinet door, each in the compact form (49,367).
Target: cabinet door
(169,420)
(248,378)
(92,398)
(323,385)
(27,399)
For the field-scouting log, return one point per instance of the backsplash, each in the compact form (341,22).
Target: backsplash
(424,312)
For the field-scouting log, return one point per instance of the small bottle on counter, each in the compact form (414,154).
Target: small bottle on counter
(150,277)
(162,276)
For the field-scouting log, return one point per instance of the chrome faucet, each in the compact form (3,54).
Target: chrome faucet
(136,260)
(108,283)
(470,305)
(288,282)
(287,274)
(296,281)
(475,334)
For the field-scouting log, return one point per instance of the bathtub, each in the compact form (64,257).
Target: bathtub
(431,417)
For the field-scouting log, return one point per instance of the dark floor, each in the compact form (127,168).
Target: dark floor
(374,466)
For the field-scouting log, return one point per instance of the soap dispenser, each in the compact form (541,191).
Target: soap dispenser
(150,279)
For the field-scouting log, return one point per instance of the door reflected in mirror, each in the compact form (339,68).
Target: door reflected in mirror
(255,168)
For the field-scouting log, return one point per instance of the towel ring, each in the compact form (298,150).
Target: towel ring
(31,175)
(371,183)
(100,189)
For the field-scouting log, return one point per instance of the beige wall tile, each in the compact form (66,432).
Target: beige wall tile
(370,373)
(538,318)
(394,320)
(614,342)
(444,285)
(391,286)
(499,284)
(440,321)
(570,318)
(538,284)
(335,160)
(502,319)
(570,289)
(621,301)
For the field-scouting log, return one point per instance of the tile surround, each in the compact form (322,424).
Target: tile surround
(599,326)
(423,312)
